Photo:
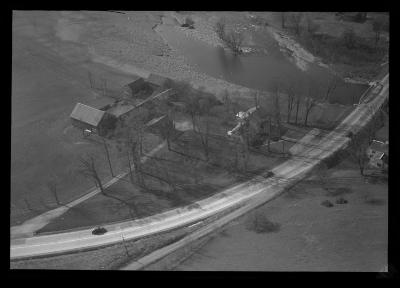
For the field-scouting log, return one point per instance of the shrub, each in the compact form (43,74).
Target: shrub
(259,223)
(349,38)
(327,203)
(341,201)
(188,23)
(374,201)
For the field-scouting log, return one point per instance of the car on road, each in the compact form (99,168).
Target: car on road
(99,231)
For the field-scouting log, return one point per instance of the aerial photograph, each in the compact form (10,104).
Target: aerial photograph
(199,140)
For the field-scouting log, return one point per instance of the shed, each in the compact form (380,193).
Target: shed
(157,80)
(130,89)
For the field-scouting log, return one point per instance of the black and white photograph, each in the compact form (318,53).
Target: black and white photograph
(199,140)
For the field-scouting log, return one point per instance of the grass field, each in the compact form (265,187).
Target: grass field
(307,236)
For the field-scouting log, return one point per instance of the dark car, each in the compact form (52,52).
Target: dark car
(99,231)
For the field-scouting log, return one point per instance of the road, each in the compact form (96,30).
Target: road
(317,148)
(28,228)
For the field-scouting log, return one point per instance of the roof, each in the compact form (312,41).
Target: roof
(100,102)
(135,82)
(156,79)
(379,146)
(87,114)
(119,110)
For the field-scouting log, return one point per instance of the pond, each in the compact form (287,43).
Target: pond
(257,70)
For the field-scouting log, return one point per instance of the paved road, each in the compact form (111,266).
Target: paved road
(319,147)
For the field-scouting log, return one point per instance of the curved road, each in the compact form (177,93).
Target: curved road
(314,147)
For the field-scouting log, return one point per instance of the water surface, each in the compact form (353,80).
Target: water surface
(259,71)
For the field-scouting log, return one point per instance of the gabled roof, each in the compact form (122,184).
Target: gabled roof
(87,114)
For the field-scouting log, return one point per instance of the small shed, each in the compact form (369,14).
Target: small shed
(157,80)
(129,90)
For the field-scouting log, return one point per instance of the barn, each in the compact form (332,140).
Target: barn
(91,119)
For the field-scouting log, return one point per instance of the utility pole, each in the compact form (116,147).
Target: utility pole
(104,87)
(126,249)
(90,79)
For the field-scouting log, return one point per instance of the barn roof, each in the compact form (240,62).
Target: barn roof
(87,114)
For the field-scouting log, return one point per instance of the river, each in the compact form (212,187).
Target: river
(260,70)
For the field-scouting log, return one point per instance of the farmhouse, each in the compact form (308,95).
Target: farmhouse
(257,123)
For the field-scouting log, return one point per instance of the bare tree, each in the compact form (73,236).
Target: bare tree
(220,29)
(295,20)
(130,134)
(233,40)
(312,27)
(349,38)
(28,205)
(309,102)
(91,80)
(256,97)
(104,86)
(227,101)
(282,16)
(331,87)
(89,170)
(108,156)
(358,151)
(168,130)
(204,133)
(52,185)
(298,102)
(290,101)
(276,107)
(377,26)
